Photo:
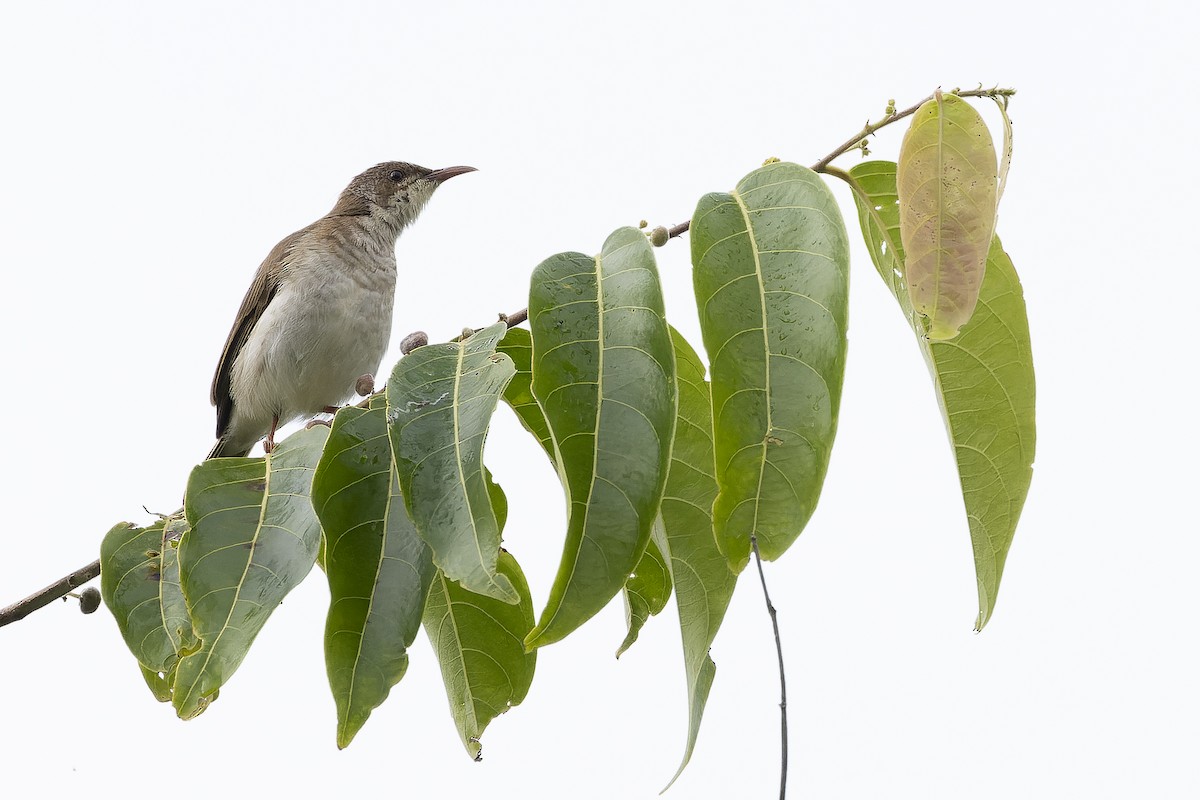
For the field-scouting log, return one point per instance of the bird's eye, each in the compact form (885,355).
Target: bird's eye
(396,175)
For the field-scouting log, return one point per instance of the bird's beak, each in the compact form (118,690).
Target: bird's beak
(446,173)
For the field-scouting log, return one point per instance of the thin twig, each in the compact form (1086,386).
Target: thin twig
(782,675)
(45,597)
(871,127)
(869,130)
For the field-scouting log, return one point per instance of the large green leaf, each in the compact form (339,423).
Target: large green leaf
(379,569)
(254,537)
(648,587)
(479,642)
(771,272)
(604,374)
(984,380)
(440,402)
(946,179)
(139,581)
(703,580)
(517,344)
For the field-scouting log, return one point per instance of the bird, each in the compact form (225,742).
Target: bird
(318,315)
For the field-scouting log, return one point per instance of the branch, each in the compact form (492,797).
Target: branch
(64,586)
(80,576)
(512,320)
(45,597)
(782,676)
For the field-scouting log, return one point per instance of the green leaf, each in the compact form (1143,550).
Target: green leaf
(498,498)
(379,569)
(984,380)
(771,273)
(159,683)
(703,580)
(139,581)
(479,645)
(254,537)
(647,592)
(440,402)
(517,344)
(604,374)
(947,189)
(648,588)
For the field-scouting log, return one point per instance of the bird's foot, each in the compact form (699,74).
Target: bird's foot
(269,442)
(314,422)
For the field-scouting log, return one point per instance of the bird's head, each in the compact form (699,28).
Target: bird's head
(393,192)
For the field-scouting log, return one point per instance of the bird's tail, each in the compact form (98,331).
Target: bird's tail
(226,448)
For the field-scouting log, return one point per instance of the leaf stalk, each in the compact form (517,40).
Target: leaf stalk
(783,728)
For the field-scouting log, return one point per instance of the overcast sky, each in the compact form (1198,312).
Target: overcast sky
(153,153)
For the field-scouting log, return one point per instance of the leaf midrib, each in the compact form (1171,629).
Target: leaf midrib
(762,297)
(362,633)
(458,458)
(242,580)
(461,655)
(598,261)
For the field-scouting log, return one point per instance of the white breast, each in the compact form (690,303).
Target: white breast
(329,322)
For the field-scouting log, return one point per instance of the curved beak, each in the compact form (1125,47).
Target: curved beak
(446,173)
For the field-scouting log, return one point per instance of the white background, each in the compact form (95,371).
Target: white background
(152,155)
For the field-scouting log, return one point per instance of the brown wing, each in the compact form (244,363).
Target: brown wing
(266,282)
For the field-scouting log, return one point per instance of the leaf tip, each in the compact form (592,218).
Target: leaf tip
(987,604)
(188,708)
(630,638)
(505,591)
(347,729)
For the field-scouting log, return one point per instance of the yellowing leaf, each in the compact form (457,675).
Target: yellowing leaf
(984,380)
(946,181)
